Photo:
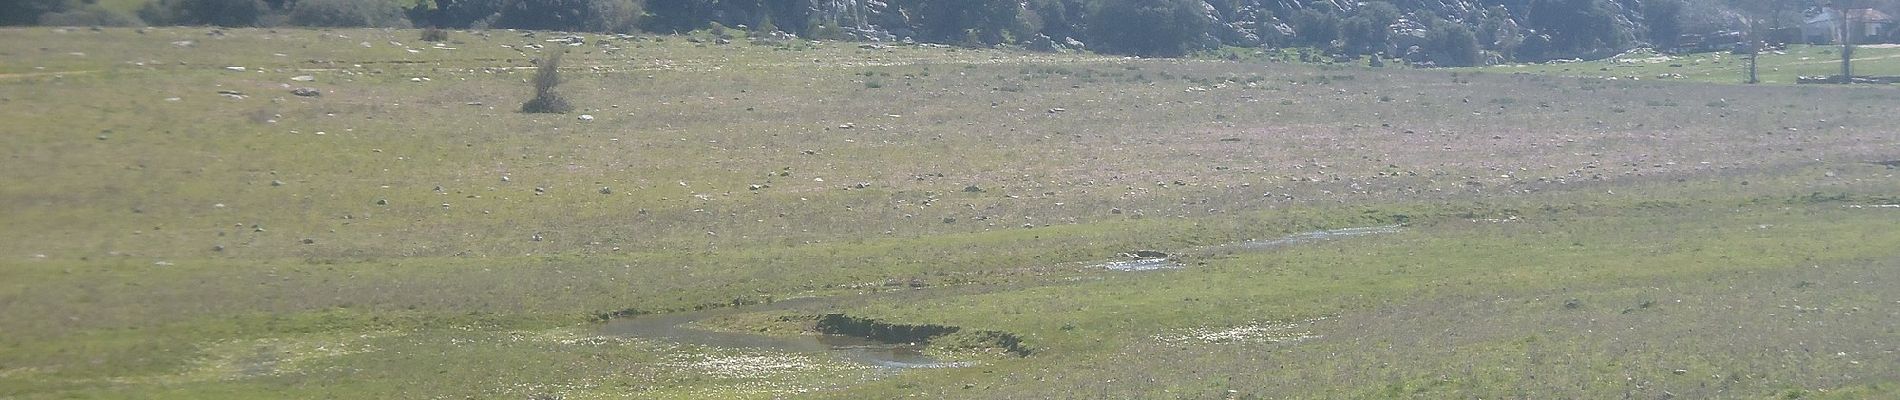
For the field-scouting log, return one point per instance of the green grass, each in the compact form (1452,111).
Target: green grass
(164,241)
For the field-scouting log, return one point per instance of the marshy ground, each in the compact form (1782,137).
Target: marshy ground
(179,224)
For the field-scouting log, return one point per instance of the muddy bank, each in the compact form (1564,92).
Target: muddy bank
(856,339)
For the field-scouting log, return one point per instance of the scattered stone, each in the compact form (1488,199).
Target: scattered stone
(586,117)
(1114,211)
(309,241)
(303,78)
(234,69)
(606,190)
(1149,254)
(276,183)
(306,92)
(382,202)
(861,185)
(755,187)
(1057,110)
(218,247)
(233,94)
(972,189)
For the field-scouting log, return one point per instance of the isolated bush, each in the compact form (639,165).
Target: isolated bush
(348,13)
(204,12)
(546,77)
(90,15)
(434,34)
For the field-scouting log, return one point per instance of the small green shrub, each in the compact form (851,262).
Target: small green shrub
(546,77)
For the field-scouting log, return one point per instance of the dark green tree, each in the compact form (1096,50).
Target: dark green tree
(1577,26)
(1452,44)
(27,12)
(204,12)
(1664,18)
(958,21)
(1369,30)
(1498,32)
(1149,28)
(1315,28)
(570,15)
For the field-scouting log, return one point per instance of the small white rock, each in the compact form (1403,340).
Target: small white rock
(587,117)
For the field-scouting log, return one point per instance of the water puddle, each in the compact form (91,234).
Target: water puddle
(1143,264)
(1154,261)
(674,328)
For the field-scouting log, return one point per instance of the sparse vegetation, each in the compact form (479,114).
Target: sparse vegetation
(547,77)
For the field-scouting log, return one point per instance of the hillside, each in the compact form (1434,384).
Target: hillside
(1421,32)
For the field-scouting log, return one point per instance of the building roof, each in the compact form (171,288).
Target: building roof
(1858,14)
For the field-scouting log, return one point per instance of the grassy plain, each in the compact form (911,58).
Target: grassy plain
(408,235)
